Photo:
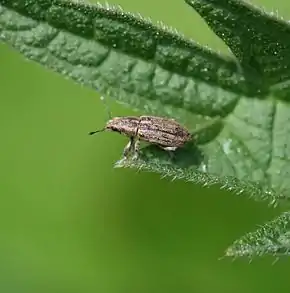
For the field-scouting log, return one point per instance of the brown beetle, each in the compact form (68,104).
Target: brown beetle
(164,132)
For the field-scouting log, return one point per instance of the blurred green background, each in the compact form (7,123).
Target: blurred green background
(72,223)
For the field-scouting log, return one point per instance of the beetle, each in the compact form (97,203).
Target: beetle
(163,132)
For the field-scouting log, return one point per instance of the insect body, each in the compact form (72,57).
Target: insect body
(164,132)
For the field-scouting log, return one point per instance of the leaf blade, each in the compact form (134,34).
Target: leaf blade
(158,72)
(258,39)
(272,238)
(133,59)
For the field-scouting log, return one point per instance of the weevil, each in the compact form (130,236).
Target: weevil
(166,133)
(163,132)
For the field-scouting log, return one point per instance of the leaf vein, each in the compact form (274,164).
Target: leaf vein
(244,146)
(272,128)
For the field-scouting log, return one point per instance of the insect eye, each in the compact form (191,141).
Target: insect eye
(115,129)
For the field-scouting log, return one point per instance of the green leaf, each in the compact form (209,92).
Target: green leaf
(245,147)
(258,40)
(272,239)
(159,72)
(124,56)
(181,168)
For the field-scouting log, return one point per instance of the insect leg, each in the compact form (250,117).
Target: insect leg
(128,147)
(136,149)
